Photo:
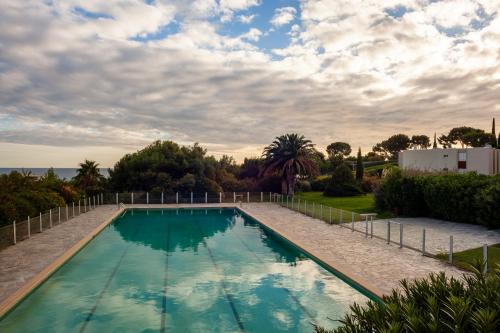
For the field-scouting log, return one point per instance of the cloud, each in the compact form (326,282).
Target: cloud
(246,19)
(283,16)
(352,72)
(253,35)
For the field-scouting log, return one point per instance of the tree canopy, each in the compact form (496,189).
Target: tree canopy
(290,155)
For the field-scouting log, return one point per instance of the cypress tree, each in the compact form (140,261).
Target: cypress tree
(359,166)
(435,144)
(494,142)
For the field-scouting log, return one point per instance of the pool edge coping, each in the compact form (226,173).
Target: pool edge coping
(15,298)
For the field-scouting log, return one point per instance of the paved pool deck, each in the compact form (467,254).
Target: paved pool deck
(370,262)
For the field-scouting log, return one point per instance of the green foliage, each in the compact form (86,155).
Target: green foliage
(166,166)
(393,145)
(320,183)
(467,137)
(338,150)
(420,142)
(89,179)
(467,198)
(290,155)
(21,195)
(434,304)
(359,166)
(342,183)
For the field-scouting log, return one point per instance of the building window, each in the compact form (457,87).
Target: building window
(462,160)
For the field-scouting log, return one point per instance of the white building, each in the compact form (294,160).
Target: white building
(481,160)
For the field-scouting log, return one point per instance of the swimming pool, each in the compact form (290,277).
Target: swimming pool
(185,270)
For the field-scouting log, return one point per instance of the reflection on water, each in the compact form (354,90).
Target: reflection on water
(185,271)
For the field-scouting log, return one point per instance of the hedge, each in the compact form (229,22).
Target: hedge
(465,198)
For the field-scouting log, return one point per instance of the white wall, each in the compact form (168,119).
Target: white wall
(482,160)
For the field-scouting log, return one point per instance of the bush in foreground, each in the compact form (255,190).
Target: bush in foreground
(435,304)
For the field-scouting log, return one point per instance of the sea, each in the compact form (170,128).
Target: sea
(63,173)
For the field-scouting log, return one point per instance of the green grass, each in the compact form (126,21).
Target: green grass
(469,257)
(359,204)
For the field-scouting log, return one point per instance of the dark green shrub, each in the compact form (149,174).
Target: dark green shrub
(342,183)
(487,202)
(402,195)
(435,304)
(303,186)
(451,197)
(319,183)
(466,198)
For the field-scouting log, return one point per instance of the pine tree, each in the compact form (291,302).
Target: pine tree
(494,142)
(359,166)
(435,144)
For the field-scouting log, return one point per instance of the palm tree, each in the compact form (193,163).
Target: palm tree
(290,155)
(88,177)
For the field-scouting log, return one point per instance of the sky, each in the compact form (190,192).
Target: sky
(98,79)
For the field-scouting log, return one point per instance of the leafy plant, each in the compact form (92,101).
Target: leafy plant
(435,304)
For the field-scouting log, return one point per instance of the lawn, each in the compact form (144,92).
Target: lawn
(358,204)
(466,258)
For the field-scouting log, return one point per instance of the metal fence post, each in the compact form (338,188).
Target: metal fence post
(401,235)
(41,224)
(450,255)
(341,215)
(50,218)
(366,227)
(270,197)
(371,226)
(73,209)
(234,197)
(177,197)
(485,258)
(59,215)
(321,212)
(220,197)
(248,196)
(423,241)
(191,198)
(206,197)
(388,232)
(261,196)
(330,215)
(162,198)
(116,197)
(67,212)
(29,227)
(132,198)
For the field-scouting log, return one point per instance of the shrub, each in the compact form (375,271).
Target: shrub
(303,186)
(466,198)
(488,206)
(319,183)
(368,183)
(342,183)
(435,304)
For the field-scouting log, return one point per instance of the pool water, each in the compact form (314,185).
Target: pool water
(185,270)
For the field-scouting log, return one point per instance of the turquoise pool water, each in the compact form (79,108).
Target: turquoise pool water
(183,270)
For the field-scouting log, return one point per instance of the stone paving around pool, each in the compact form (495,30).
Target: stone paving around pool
(370,262)
(437,234)
(21,262)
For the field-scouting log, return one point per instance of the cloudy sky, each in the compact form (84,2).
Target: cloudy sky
(95,79)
